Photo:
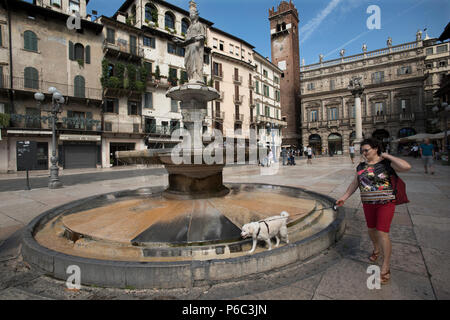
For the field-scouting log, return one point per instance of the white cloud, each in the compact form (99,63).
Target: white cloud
(308,29)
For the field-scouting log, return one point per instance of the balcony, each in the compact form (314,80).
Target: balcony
(251,84)
(237,79)
(313,125)
(406,117)
(34,86)
(219,115)
(239,117)
(333,123)
(218,75)
(160,130)
(379,119)
(238,99)
(120,50)
(261,119)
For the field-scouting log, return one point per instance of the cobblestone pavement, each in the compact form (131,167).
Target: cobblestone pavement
(420,236)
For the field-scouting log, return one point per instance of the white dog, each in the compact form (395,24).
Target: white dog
(266,229)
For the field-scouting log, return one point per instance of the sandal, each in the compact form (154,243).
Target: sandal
(374,256)
(385,277)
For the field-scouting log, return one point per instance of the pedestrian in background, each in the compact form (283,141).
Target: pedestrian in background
(352,152)
(284,155)
(427,154)
(309,152)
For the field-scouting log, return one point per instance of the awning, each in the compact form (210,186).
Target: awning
(416,137)
(440,135)
(29,132)
(79,137)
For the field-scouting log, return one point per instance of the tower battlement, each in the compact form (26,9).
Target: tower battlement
(283,8)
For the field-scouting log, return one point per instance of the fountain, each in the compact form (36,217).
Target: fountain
(188,233)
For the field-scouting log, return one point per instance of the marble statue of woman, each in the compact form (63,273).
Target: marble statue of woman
(195,46)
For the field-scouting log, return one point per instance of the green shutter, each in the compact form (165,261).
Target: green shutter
(26,40)
(79,87)
(116,106)
(88,54)
(88,123)
(71,51)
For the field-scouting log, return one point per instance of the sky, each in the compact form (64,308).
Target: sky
(326,26)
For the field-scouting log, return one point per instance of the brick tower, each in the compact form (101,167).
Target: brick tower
(285,55)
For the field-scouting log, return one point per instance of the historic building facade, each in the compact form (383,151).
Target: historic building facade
(232,70)
(393,103)
(38,51)
(114,73)
(266,111)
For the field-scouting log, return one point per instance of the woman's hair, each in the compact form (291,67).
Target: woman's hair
(374,144)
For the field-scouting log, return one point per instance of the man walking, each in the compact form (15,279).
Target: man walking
(352,152)
(427,154)
(309,152)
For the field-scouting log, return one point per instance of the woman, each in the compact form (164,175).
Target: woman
(377,196)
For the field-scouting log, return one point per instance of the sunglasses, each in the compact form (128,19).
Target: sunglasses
(365,150)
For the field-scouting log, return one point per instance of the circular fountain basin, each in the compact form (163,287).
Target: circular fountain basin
(142,239)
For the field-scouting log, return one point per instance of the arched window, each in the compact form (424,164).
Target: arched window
(79,51)
(151,13)
(184,25)
(30,41)
(79,87)
(31,76)
(169,20)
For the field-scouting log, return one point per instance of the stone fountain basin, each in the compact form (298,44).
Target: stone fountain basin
(157,266)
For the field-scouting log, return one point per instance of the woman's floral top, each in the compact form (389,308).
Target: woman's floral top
(375,182)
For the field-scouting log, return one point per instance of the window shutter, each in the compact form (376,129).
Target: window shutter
(26,40)
(88,54)
(88,124)
(116,106)
(129,108)
(71,51)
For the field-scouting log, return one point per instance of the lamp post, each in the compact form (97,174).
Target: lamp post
(445,108)
(57,100)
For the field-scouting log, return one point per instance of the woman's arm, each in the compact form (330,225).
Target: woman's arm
(398,164)
(350,190)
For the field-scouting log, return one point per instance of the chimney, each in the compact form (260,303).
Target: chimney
(121,17)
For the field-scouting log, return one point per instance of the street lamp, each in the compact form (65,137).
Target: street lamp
(445,109)
(57,100)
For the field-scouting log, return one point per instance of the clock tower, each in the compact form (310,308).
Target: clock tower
(285,54)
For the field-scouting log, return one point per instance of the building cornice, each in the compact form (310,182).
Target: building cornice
(345,92)
(48,13)
(233,60)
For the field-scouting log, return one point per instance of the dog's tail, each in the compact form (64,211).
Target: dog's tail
(284,214)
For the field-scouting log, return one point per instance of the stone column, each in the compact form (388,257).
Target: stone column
(357,89)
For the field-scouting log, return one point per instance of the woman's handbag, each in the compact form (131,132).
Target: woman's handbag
(399,187)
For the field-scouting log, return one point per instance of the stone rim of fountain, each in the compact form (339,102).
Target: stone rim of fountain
(179,274)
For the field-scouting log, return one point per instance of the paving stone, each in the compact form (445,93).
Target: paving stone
(438,263)
(17,294)
(432,232)
(348,280)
